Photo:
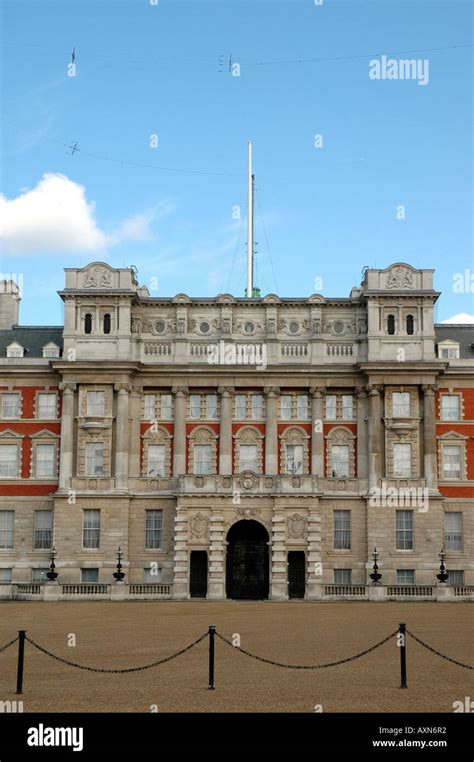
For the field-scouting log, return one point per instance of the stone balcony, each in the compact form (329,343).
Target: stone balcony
(226,352)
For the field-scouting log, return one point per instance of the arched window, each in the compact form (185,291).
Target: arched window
(410,325)
(391,325)
(107,323)
(88,323)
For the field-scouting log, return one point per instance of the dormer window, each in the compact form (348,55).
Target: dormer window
(50,350)
(391,325)
(88,323)
(410,325)
(107,322)
(448,350)
(15,350)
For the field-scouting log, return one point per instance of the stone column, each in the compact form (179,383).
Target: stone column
(375,470)
(217,545)
(429,436)
(362,460)
(271,431)
(225,433)
(314,562)
(181,560)
(279,587)
(135,440)
(179,439)
(317,433)
(122,438)
(67,436)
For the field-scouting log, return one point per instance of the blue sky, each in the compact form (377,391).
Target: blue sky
(144,70)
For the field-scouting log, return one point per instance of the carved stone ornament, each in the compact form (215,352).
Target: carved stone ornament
(296,526)
(136,325)
(98,277)
(247,512)
(400,277)
(248,481)
(199,524)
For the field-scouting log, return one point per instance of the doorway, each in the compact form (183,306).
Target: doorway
(296,574)
(198,574)
(247,568)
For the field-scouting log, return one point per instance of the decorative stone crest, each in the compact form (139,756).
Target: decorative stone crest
(248,481)
(296,526)
(247,512)
(98,277)
(400,277)
(199,525)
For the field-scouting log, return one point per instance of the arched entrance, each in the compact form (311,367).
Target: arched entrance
(247,560)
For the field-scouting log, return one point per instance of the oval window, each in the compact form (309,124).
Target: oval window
(294,327)
(160,327)
(204,327)
(338,327)
(249,327)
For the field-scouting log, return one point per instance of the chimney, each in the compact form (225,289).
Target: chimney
(9,304)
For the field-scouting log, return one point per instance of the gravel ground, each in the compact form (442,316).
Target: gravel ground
(130,634)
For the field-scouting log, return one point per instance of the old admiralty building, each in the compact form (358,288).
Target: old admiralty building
(236,447)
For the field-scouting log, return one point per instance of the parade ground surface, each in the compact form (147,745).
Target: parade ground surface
(122,635)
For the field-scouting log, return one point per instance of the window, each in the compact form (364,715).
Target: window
(410,325)
(331,401)
(153,529)
(15,350)
(204,327)
(257,405)
(43,529)
(150,407)
(456,577)
(450,407)
(405,576)
(453,530)
(240,405)
(90,576)
(404,530)
(401,404)
(166,406)
(10,405)
(286,407)
(152,575)
(202,459)
(160,326)
(6,528)
(249,327)
(5,576)
(248,458)
(302,407)
(88,323)
(342,530)
(340,461)
(294,459)
(195,406)
(450,351)
(47,405)
(402,460)
(50,351)
(347,407)
(211,406)
(451,461)
(8,460)
(156,460)
(38,576)
(94,459)
(45,457)
(391,325)
(96,403)
(107,323)
(91,529)
(343,576)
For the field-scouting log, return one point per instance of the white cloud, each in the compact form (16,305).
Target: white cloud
(56,216)
(462,317)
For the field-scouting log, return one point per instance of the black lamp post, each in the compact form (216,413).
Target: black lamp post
(52,574)
(375,576)
(119,574)
(443,575)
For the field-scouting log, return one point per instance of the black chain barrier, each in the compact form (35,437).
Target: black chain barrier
(7,645)
(438,653)
(129,669)
(307,666)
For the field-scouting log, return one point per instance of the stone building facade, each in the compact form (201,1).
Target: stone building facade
(237,447)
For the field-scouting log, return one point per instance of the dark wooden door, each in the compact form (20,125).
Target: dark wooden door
(198,574)
(296,574)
